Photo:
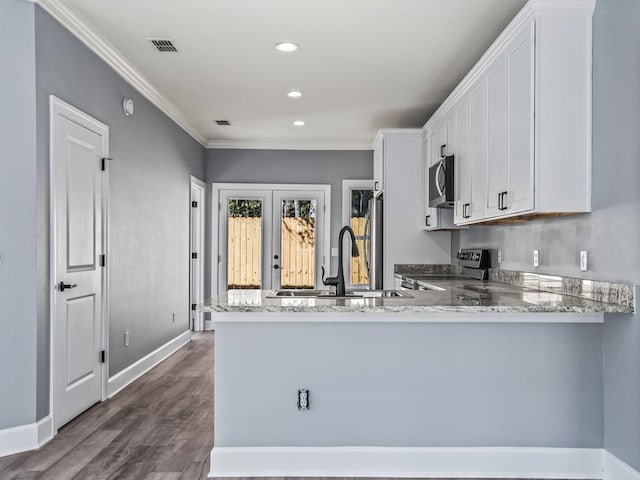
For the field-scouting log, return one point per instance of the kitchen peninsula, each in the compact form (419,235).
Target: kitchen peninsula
(410,386)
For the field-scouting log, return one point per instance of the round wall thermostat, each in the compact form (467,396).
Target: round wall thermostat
(127,106)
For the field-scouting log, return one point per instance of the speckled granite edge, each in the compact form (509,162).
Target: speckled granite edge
(595,309)
(425,269)
(608,292)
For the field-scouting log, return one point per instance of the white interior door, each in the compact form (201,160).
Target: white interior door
(78,147)
(298,239)
(197,252)
(244,242)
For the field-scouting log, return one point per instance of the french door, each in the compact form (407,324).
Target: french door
(272,238)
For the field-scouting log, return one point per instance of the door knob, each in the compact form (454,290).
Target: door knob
(64,286)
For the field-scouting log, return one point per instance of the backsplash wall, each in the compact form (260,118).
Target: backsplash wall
(611,233)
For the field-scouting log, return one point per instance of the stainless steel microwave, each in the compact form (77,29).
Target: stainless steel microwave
(441,183)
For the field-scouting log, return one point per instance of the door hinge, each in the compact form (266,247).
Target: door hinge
(103,356)
(194,255)
(194,204)
(103,260)
(103,165)
(193,306)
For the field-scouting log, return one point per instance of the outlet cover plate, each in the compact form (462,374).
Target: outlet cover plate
(584,260)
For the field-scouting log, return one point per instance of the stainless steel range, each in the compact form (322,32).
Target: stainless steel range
(474,263)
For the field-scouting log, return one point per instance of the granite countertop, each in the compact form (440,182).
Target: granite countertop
(456,295)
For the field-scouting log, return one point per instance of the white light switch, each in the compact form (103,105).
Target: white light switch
(536,258)
(584,266)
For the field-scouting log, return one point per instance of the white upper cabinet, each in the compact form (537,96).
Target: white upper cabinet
(522,119)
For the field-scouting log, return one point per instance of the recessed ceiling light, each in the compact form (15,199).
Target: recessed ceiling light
(287,46)
(299,123)
(294,94)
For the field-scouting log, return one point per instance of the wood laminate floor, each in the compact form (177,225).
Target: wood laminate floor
(158,428)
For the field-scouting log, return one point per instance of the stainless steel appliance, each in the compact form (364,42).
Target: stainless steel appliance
(373,233)
(441,182)
(474,263)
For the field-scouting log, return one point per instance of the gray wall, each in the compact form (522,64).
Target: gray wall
(611,233)
(149,201)
(401,384)
(290,166)
(17,214)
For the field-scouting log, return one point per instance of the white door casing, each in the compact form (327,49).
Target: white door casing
(196,290)
(222,192)
(78,239)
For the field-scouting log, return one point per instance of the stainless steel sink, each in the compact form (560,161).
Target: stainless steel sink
(331,294)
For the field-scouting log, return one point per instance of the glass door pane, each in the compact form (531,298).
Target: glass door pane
(244,243)
(244,240)
(297,243)
(359,213)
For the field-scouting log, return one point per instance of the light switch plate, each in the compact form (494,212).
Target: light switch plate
(584,265)
(126,339)
(536,258)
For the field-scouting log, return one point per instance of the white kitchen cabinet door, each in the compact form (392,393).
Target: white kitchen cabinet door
(378,165)
(477,150)
(519,56)
(431,216)
(462,165)
(497,172)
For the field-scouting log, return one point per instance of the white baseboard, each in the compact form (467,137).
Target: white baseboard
(498,462)
(616,469)
(25,437)
(146,363)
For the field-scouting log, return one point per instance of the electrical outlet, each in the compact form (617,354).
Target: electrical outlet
(303,399)
(536,258)
(499,256)
(126,339)
(584,266)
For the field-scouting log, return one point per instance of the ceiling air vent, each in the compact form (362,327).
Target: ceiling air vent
(163,44)
(224,123)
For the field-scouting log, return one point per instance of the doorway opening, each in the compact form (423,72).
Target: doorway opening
(270,236)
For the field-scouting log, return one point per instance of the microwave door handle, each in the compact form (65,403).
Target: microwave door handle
(437,179)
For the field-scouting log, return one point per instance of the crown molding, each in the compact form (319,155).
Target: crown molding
(118,62)
(262,145)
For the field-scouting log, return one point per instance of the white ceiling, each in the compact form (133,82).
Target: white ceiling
(362,64)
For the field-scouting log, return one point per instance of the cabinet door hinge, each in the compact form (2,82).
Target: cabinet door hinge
(194,204)
(103,356)
(103,260)
(193,306)
(194,255)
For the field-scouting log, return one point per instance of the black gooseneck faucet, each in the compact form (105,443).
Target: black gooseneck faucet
(338,281)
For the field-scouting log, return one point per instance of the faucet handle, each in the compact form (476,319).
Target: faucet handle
(328,280)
